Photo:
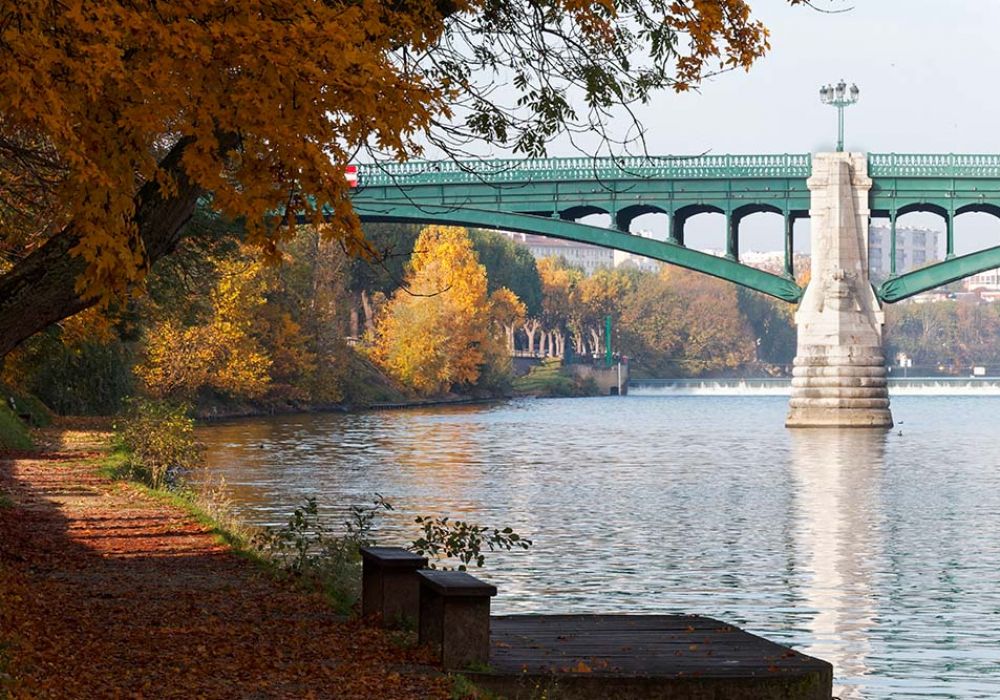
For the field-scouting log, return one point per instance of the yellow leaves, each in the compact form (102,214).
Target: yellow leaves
(434,331)
(223,353)
(505,308)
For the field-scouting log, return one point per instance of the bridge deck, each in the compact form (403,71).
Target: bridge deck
(644,656)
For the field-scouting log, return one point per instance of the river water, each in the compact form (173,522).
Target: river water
(879,552)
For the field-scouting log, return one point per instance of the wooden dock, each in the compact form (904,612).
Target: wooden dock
(643,656)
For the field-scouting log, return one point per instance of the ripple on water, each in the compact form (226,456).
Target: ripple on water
(876,551)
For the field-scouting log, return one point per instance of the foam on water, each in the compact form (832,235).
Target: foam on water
(898,386)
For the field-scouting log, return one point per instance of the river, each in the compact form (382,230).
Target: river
(879,552)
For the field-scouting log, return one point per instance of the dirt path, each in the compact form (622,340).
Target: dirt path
(106,593)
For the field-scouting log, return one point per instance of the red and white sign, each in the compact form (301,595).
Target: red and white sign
(351,175)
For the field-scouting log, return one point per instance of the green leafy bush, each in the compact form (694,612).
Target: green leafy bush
(157,441)
(90,378)
(442,538)
(307,549)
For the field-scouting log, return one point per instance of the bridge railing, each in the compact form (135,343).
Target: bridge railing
(568,169)
(934,164)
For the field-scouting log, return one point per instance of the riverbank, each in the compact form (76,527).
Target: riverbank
(109,592)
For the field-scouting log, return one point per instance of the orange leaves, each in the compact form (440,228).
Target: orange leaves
(113,594)
(108,85)
(269,100)
(721,35)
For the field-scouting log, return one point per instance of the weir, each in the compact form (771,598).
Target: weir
(839,377)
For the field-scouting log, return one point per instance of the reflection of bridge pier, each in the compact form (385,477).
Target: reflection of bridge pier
(837,498)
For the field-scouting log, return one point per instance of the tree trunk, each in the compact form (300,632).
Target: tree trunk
(531,327)
(41,289)
(366,304)
(595,338)
(355,321)
(560,343)
(541,343)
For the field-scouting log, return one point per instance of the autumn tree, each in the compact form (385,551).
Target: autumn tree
(511,266)
(602,294)
(117,117)
(222,354)
(772,322)
(378,278)
(559,303)
(507,313)
(682,323)
(433,333)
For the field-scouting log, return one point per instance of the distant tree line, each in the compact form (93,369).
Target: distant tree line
(441,309)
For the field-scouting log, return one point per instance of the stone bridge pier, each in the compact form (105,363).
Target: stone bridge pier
(839,378)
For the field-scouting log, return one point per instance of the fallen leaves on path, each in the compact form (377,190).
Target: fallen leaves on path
(106,593)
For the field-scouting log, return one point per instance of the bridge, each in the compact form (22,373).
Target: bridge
(840,373)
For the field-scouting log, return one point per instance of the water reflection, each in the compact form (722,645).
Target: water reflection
(877,551)
(839,538)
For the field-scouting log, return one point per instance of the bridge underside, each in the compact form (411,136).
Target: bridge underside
(721,267)
(893,290)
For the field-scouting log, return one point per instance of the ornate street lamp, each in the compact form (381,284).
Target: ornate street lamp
(839,96)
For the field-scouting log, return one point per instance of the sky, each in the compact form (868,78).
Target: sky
(926,70)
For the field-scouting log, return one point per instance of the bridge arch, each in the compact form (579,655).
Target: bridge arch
(746,210)
(680,218)
(773,225)
(979,208)
(945,212)
(912,207)
(581,211)
(626,215)
(976,226)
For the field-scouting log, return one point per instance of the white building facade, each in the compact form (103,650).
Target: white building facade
(915,248)
(588,258)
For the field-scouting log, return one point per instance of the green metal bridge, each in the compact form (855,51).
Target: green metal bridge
(549,196)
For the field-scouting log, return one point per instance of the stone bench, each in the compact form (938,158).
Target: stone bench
(455,617)
(390,587)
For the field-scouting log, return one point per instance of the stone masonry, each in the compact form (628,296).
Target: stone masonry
(839,379)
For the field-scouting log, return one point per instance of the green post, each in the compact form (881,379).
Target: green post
(732,237)
(789,247)
(840,128)
(892,243)
(607,340)
(949,219)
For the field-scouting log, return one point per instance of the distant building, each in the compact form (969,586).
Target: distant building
(588,258)
(773,261)
(915,248)
(988,281)
(639,262)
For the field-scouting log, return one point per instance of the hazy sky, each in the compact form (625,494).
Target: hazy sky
(924,67)
(927,73)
